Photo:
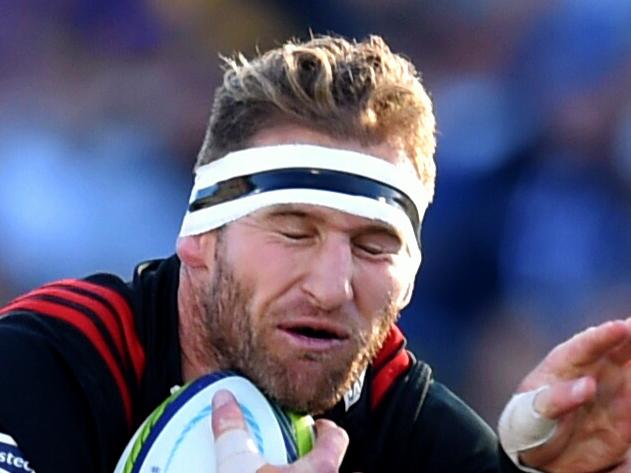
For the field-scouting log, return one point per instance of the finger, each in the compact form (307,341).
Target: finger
(331,440)
(327,454)
(622,354)
(235,451)
(226,414)
(592,344)
(564,396)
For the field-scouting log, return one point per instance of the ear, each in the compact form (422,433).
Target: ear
(196,251)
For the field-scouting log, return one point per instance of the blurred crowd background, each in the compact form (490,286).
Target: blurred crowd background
(103,105)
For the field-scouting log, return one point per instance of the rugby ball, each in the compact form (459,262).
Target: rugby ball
(177,437)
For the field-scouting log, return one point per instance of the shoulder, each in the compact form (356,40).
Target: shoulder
(448,435)
(97,299)
(98,307)
(79,317)
(106,310)
(424,402)
(470,443)
(451,415)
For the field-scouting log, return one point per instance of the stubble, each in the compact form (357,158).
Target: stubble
(301,381)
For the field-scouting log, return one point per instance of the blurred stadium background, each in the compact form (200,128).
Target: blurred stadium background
(103,105)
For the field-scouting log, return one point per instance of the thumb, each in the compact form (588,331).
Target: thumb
(564,396)
(235,451)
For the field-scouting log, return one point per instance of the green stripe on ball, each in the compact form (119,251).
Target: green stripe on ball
(303,432)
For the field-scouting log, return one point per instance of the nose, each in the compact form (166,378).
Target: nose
(329,275)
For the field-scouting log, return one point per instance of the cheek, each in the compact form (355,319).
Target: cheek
(376,289)
(269,271)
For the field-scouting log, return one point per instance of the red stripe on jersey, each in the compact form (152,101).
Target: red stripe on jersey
(125,315)
(80,321)
(97,307)
(390,363)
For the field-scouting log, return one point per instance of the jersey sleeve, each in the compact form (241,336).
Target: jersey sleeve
(71,369)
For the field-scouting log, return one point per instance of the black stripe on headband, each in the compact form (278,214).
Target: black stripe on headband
(306,178)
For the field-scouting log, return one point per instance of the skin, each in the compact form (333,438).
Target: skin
(248,292)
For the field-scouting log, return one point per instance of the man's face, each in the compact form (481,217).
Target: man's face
(301,297)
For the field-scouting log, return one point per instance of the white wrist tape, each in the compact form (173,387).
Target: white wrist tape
(236,452)
(521,427)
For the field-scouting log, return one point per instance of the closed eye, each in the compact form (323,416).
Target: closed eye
(374,250)
(295,235)
(293,226)
(378,243)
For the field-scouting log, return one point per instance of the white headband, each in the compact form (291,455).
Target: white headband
(314,164)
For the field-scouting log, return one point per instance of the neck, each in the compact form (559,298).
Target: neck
(199,357)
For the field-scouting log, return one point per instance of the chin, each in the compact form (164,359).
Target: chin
(311,400)
(307,386)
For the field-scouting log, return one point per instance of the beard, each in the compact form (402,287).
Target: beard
(299,380)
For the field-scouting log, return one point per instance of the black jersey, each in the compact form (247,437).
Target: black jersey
(85,361)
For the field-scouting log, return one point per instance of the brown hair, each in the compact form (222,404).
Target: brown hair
(348,90)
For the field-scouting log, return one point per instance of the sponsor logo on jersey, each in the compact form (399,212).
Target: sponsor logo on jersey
(353,394)
(11,457)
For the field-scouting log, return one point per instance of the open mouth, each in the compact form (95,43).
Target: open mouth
(315,332)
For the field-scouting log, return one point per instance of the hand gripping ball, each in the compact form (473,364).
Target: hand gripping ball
(177,437)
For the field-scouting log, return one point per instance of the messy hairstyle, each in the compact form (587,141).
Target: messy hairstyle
(346,89)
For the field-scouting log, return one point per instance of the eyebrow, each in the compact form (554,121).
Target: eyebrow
(288,210)
(291,210)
